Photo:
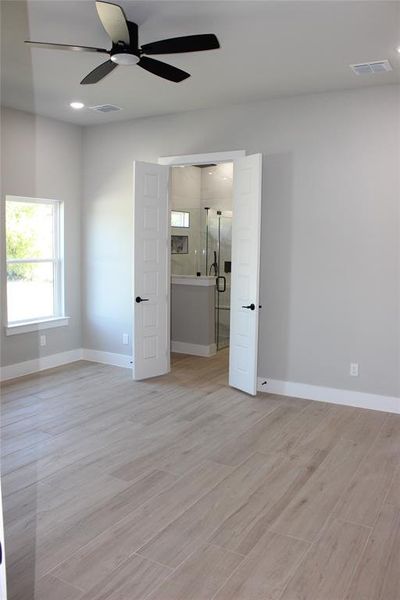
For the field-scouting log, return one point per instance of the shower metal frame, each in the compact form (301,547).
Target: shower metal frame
(218,308)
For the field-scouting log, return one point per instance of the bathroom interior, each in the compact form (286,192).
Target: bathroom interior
(201,236)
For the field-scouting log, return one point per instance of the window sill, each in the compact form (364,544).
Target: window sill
(29,326)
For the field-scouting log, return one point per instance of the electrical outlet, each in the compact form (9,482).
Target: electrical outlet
(42,340)
(125,339)
(354,369)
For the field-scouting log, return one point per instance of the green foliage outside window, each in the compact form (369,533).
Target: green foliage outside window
(21,241)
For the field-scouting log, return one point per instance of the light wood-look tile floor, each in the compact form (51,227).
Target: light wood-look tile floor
(181,488)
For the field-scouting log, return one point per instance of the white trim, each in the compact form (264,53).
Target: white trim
(42,363)
(28,326)
(57,260)
(335,396)
(29,199)
(273,386)
(193,280)
(39,364)
(198,159)
(23,261)
(195,349)
(107,358)
(180,212)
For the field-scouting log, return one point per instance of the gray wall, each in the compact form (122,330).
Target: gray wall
(43,158)
(330,228)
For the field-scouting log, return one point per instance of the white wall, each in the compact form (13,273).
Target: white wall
(330,228)
(43,158)
(185,189)
(216,186)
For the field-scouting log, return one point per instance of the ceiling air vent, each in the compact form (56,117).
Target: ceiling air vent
(378,66)
(105,108)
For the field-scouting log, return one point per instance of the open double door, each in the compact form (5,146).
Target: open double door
(151,272)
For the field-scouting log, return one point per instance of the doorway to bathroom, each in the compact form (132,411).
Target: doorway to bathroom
(153,247)
(201,248)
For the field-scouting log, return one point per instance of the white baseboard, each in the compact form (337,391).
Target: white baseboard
(29,367)
(39,364)
(107,358)
(195,349)
(332,395)
(272,386)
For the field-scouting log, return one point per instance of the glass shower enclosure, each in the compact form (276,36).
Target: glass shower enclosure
(201,245)
(218,245)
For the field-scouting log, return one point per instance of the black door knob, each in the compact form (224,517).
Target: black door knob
(250,306)
(139,299)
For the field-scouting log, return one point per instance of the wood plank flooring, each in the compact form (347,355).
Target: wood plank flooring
(181,488)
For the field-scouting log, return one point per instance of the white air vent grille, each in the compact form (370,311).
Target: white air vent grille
(105,108)
(378,66)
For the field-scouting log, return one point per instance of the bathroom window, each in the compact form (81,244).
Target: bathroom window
(180,218)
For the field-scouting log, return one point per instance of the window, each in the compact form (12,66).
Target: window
(180,219)
(34,231)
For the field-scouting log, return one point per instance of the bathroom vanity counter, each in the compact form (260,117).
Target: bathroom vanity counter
(193,315)
(193,280)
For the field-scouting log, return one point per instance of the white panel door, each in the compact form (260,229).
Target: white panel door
(246,228)
(151,277)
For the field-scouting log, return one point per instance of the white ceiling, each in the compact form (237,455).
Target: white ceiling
(267,49)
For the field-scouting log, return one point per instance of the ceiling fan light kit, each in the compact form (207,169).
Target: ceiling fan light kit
(125,58)
(125,50)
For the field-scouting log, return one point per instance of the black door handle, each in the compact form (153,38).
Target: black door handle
(139,299)
(250,306)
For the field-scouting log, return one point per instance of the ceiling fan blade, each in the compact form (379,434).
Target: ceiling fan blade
(114,22)
(99,72)
(187,43)
(50,46)
(162,69)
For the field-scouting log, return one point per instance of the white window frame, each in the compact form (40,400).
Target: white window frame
(58,319)
(181,212)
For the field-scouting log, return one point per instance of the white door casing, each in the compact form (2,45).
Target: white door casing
(151,273)
(246,232)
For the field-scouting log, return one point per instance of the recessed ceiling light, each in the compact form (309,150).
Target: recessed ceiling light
(398,49)
(210,172)
(76,105)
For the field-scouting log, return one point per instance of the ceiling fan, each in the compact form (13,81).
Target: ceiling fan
(125,48)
